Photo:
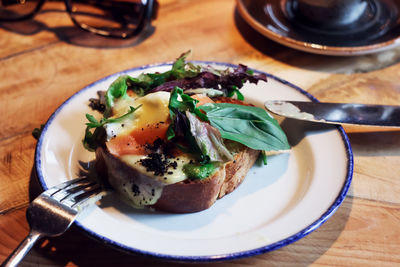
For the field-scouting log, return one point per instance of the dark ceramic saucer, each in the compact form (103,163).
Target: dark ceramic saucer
(275,19)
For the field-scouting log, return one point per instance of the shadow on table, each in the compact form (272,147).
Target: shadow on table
(73,35)
(375,143)
(314,62)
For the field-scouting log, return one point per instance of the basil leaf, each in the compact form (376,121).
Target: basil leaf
(250,126)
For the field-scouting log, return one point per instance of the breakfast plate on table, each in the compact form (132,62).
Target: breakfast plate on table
(277,203)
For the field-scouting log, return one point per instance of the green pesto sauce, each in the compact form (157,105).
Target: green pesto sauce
(198,171)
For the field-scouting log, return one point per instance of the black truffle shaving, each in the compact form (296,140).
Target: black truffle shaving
(157,144)
(158,160)
(135,190)
(155,162)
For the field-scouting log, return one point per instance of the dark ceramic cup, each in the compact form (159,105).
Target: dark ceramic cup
(332,14)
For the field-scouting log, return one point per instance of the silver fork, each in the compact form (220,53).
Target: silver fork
(53,211)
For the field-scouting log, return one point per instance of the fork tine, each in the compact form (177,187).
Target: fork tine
(89,197)
(57,188)
(72,182)
(72,190)
(71,193)
(77,193)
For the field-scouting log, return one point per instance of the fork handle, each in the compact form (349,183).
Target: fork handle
(18,254)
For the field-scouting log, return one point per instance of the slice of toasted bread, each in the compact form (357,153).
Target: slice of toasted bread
(182,197)
(197,195)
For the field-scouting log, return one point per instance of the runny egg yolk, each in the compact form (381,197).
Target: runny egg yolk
(144,126)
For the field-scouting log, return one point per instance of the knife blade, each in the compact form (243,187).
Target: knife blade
(337,113)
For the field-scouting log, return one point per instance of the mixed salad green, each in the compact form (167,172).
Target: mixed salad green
(199,130)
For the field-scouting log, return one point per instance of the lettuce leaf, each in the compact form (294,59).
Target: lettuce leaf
(227,81)
(208,139)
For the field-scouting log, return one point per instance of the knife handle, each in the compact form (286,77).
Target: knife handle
(368,129)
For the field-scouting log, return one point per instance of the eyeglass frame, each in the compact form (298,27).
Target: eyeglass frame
(150,9)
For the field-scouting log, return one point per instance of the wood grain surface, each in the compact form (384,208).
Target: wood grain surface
(45,60)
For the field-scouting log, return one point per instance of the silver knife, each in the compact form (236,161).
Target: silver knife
(337,113)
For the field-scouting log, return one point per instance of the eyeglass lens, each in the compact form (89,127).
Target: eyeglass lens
(116,16)
(16,9)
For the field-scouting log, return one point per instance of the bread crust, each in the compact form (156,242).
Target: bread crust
(189,195)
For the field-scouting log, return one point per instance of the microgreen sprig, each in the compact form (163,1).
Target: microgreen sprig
(89,140)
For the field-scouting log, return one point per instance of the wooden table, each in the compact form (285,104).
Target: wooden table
(46,60)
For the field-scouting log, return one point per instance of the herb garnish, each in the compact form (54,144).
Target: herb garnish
(250,126)
(184,75)
(179,104)
(89,139)
(145,82)
(198,130)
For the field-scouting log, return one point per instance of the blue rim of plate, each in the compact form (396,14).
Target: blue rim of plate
(209,258)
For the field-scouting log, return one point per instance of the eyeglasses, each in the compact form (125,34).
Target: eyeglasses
(111,18)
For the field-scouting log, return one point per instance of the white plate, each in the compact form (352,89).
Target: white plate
(276,205)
